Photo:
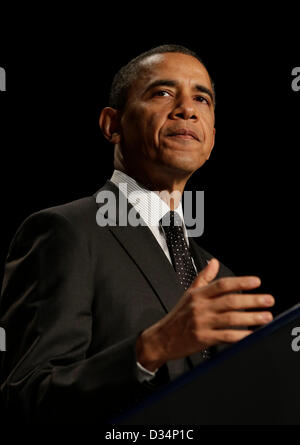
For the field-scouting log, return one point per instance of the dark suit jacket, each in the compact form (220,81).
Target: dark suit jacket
(75,297)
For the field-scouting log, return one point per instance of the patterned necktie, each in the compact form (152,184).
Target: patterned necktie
(178,248)
(180,254)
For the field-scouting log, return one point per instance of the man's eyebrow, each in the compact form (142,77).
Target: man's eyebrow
(161,82)
(205,90)
(173,83)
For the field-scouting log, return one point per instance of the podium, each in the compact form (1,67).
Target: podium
(253,382)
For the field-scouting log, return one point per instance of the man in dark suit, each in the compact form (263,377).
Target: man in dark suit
(99,315)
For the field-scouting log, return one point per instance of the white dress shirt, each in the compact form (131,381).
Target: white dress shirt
(151,209)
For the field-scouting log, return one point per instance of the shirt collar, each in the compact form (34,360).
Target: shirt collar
(146,202)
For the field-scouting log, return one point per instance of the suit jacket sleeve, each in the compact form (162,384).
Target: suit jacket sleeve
(47,309)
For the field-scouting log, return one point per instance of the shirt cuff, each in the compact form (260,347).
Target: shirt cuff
(144,374)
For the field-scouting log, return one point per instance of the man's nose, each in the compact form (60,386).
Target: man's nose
(184,109)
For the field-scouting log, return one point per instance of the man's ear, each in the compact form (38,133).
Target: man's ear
(110,124)
(212,145)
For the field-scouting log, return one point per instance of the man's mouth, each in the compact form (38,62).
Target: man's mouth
(183,133)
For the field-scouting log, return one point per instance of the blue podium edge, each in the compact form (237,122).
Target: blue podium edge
(280,320)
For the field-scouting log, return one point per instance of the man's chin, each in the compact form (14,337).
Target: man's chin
(183,166)
(182,162)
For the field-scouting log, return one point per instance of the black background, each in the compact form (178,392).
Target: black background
(59,71)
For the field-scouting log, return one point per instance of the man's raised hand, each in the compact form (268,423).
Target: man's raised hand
(210,312)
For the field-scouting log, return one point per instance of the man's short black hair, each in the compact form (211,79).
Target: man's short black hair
(127,74)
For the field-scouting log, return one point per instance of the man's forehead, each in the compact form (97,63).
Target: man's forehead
(176,64)
(154,60)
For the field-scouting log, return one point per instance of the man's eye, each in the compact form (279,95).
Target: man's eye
(161,93)
(202,99)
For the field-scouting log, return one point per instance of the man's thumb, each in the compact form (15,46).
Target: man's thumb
(207,274)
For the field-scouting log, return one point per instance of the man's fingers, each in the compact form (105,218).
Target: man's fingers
(229,335)
(231,302)
(207,274)
(238,319)
(222,285)
(229,284)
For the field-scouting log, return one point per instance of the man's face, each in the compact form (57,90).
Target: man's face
(168,120)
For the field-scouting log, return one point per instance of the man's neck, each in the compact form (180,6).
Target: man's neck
(169,187)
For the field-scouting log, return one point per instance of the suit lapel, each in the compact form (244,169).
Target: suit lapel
(142,247)
(145,251)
